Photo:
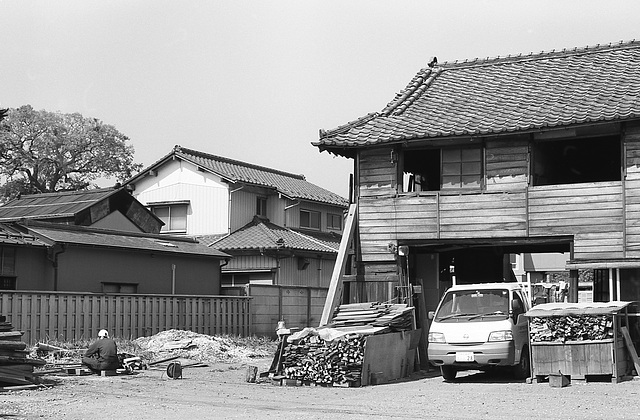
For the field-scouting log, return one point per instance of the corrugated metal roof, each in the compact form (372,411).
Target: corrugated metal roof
(290,185)
(53,205)
(262,234)
(504,95)
(124,240)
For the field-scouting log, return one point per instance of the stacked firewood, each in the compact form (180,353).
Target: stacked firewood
(571,328)
(16,368)
(315,360)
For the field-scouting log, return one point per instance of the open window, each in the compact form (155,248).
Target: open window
(421,171)
(440,169)
(577,160)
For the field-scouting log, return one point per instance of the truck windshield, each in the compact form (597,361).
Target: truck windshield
(471,304)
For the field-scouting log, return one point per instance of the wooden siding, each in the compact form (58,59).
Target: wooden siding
(377,175)
(632,192)
(592,212)
(506,164)
(79,316)
(208,196)
(317,273)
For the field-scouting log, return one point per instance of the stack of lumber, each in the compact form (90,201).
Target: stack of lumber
(314,360)
(397,317)
(571,328)
(16,368)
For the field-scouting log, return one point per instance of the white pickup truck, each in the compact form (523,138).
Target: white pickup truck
(480,325)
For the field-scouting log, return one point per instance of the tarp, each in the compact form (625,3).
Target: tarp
(584,308)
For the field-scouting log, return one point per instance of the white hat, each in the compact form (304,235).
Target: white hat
(103,334)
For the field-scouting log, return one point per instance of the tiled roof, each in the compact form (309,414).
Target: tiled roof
(262,234)
(10,235)
(290,185)
(58,233)
(503,95)
(53,205)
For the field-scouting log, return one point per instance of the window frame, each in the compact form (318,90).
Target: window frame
(311,212)
(261,206)
(331,217)
(167,227)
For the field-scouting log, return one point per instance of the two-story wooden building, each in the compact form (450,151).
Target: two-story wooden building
(280,228)
(479,159)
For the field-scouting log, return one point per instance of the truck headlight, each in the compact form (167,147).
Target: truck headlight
(436,337)
(501,336)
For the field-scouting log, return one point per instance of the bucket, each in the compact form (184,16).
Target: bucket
(558,380)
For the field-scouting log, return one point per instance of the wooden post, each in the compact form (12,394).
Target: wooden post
(573,286)
(335,287)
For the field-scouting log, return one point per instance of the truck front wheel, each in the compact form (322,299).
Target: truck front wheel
(448,373)
(523,369)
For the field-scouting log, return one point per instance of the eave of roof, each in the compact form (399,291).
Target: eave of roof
(503,95)
(52,233)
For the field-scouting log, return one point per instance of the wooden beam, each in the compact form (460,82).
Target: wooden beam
(631,349)
(335,287)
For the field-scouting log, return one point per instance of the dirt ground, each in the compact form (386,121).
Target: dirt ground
(219,391)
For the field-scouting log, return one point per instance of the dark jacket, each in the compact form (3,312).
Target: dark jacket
(102,354)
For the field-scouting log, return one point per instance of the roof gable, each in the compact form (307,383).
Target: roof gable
(234,171)
(503,95)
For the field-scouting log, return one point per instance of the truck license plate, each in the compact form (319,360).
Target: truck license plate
(464,356)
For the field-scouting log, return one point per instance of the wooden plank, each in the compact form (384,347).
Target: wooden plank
(630,348)
(335,287)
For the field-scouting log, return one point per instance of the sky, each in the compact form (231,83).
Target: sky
(256,80)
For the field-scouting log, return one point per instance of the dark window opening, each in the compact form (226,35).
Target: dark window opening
(421,170)
(7,283)
(310,219)
(334,221)
(596,159)
(261,207)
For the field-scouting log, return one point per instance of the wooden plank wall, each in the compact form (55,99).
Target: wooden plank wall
(506,165)
(79,316)
(632,193)
(377,174)
(592,212)
(299,307)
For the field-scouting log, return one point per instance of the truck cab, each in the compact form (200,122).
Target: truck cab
(480,325)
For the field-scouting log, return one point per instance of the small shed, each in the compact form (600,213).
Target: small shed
(581,340)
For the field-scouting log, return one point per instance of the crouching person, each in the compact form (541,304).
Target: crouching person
(102,354)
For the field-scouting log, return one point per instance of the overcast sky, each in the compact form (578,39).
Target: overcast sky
(256,80)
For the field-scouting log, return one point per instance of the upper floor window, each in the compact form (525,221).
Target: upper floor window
(446,168)
(174,216)
(261,206)
(595,159)
(310,219)
(462,168)
(334,221)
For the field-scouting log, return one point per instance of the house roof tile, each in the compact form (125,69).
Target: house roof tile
(234,171)
(502,95)
(262,234)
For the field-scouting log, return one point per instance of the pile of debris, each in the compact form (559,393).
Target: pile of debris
(571,328)
(16,368)
(396,317)
(314,360)
(203,348)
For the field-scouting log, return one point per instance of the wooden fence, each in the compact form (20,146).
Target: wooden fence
(77,316)
(299,307)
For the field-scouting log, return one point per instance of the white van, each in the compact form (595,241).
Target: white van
(480,325)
